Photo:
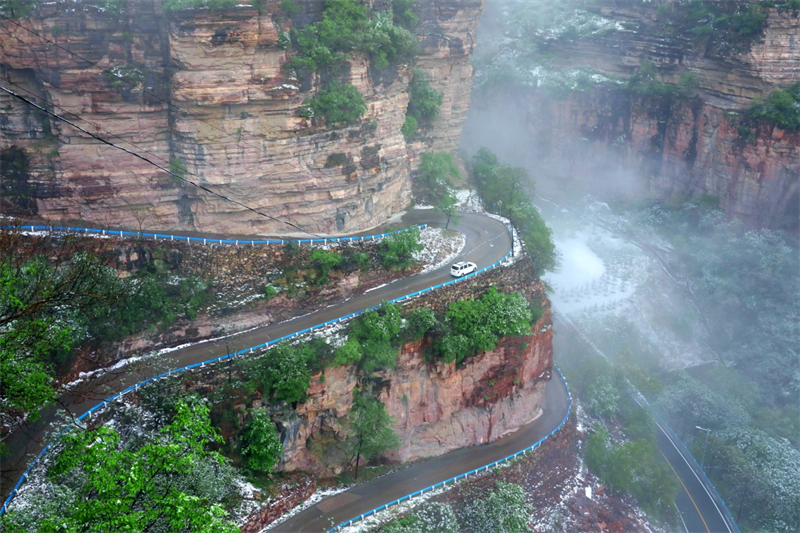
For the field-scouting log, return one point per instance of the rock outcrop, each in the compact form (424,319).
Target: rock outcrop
(208,98)
(614,142)
(437,407)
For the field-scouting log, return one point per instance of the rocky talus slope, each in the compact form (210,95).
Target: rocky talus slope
(210,97)
(614,142)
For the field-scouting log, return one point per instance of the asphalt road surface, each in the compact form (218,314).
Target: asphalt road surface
(367,496)
(699,511)
(487,241)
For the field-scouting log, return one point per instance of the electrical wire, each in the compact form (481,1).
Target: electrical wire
(71,115)
(171,173)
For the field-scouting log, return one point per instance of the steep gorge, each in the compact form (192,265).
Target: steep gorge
(210,98)
(569,104)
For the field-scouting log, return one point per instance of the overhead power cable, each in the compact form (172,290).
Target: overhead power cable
(128,82)
(69,114)
(171,173)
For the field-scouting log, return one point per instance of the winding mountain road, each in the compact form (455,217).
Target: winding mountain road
(487,241)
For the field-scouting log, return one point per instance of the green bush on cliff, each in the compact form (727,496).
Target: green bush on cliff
(423,105)
(350,26)
(477,325)
(781,108)
(17,9)
(505,190)
(261,444)
(339,103)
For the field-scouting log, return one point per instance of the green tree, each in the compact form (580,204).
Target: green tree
(378,335)
(369,430)
(349,26)
(418,323)
(635,467)
(435,173)
(398,249)
(403,13)
(349,353)
(409,128)
(482,322)
(507,190)
(339,103)
(282,373)
(44,306)
(424,101)
(603,397)
(324,261)
(106,486)
(262,447)
(448,207)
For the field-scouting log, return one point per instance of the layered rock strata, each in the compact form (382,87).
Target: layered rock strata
(209,99)
(614,142)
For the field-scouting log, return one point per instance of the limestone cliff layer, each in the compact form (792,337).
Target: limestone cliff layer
(208,98)
(615,142)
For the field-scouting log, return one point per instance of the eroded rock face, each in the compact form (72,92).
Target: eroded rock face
(437,407)
(617,143)
(209,95)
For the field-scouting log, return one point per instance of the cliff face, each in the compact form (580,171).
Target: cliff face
(210,95)
(614,142)
(437,407)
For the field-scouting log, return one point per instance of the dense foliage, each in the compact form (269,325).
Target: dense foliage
(781,108)
(348,26)
(507,191)
(634,467)
(339,103)
(165,484)
(283,373)
(261,445)
(747,285)
(56,295)
(17,9)
(434,183)
(473,326)
(378,336)
(369,430)
(398,249)
(423,101)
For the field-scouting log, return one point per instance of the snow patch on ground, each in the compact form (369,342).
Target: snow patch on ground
(440,248)
(315,498)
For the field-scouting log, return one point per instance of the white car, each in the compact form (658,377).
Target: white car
(463,268)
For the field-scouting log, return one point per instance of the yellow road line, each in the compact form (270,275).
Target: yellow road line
(687,490)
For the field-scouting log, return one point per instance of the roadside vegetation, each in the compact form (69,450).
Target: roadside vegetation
(621,446)
(503,508)
(434,184)
(507,191)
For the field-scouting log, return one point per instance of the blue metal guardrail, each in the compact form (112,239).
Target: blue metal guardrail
(699,468)
(244,351)
(237,242)
(464,476)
